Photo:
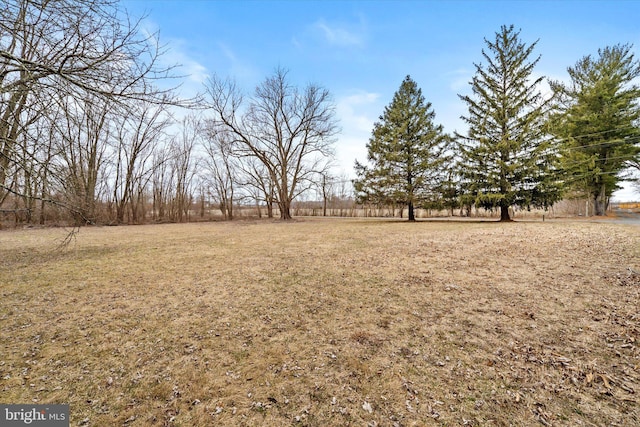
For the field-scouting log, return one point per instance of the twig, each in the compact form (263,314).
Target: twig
(70,237)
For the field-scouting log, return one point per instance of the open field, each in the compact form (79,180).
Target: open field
(326,322)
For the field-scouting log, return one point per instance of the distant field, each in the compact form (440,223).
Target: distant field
(328,322)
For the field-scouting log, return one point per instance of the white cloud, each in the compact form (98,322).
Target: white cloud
(339,35)
(175,54)
(459,79)
(545,87)
(297,43)
(352,109)
(357,113)
(193,70)
(228,53)
(190,74)
(236,67)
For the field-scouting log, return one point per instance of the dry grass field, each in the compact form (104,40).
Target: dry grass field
(326,323)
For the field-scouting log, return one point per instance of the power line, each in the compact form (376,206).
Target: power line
(609,142)
(618,128)
(599,159)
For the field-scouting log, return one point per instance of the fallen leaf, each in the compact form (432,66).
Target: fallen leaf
(589,378)
(605,380)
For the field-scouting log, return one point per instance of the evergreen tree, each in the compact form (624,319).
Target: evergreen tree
(598,122)
(406,153)
(507,157)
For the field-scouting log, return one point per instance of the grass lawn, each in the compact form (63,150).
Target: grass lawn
(325,322)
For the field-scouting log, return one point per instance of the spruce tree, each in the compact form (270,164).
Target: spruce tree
(406,153)
(598,122)
(507,157)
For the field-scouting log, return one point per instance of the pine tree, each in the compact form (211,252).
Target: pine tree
(597,122)
(506,155)
(406,153)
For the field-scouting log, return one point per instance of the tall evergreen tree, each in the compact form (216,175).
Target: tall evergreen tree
(598,122)
(506,155)
(406,152)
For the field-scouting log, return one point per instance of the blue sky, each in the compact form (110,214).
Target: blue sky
(362,50)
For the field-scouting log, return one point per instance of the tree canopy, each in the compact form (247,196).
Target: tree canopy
(406,152)
(507,157)
(597,120)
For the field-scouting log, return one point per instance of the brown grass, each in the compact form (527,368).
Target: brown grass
(325,322)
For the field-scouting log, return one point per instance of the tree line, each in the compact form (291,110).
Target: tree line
(87,133)
(92,132)
(521,148)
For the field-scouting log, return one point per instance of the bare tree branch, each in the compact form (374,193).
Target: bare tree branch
(283,128)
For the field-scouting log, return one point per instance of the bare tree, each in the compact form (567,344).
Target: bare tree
(183,167)
(172,179)
(345,194)
(140,127)
(33,158)
(74,50)
(288,131)
(84,135)
(325,188)
(162,180)
(221,168)
(255,180)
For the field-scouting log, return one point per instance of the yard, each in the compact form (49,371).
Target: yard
(324,322)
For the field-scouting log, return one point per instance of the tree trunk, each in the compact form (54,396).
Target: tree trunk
(504,214)
(412,216)
(284,199)
(269,209)
(42,213)
(285,209)
(601,202)
(324,195)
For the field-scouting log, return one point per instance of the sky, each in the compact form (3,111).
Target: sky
(362,50)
